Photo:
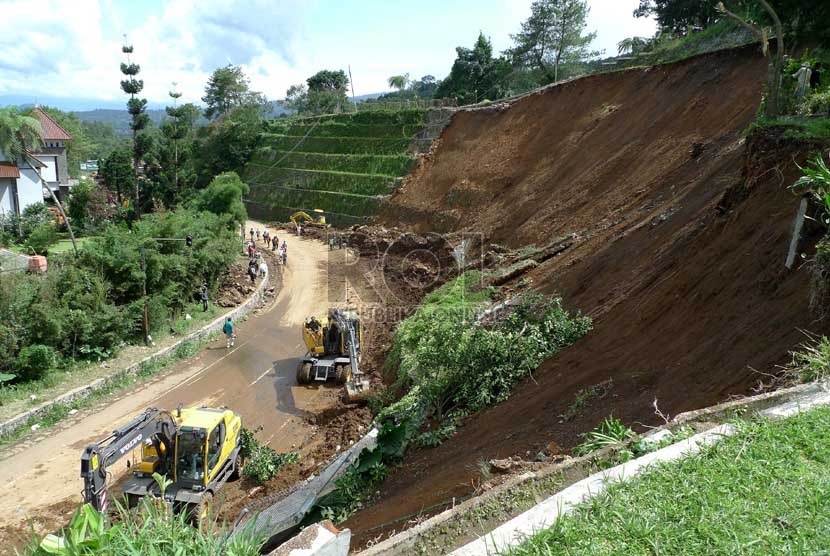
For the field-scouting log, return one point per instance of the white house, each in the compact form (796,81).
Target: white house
(19,183)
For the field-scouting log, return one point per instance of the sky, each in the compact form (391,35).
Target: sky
(67,52)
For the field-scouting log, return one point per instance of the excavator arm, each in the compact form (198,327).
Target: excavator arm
(154,425)
(357,388)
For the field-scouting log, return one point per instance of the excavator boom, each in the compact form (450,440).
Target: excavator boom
(154,426)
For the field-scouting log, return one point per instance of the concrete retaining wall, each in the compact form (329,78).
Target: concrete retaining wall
(84,391)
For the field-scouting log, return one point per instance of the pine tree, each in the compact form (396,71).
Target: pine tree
(137,108)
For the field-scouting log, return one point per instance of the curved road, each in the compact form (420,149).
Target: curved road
(41,484)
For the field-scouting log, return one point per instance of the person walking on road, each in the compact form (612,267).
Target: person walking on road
(263,268)
(203,295)
(283,253)
(253,268)
(275,242)
(229,333)
(251,250)
(257,235)
(252,235)
(299,230)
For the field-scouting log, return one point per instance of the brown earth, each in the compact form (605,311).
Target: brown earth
(678,230)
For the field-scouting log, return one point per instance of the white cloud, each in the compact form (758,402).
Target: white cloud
(73,49)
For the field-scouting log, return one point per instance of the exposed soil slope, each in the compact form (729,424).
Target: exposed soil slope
(681,235)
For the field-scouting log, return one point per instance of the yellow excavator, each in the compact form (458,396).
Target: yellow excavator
(303,218)
(334,353)
(197,448)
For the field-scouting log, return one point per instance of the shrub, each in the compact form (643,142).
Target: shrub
(264,463)
(609,433)
(42,237)
(36,361)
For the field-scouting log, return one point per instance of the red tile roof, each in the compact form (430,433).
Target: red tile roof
(9,170)
(51,129)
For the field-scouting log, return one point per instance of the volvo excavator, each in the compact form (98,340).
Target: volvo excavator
(334,353)
(197,448)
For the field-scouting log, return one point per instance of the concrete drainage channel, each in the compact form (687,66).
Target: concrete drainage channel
(483,525)
(280,515)
(82,392)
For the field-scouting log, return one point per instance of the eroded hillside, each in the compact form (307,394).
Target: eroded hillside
(681,227)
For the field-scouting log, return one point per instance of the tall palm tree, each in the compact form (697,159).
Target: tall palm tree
(398,82)
(20,135)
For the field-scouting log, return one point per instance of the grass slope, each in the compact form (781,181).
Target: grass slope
(339,163)
(763,491)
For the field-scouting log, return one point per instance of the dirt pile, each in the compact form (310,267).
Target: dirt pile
(661,221)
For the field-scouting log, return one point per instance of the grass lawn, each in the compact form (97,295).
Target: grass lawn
(765,490)
(66,245)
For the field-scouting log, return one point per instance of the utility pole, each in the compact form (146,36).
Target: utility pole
(144,295)
(351,82)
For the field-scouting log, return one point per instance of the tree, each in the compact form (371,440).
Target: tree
(679,16)
(475,74)
(175,175)
(19,136)
(327,92)
(552,37)
(775,67)
(632,45)
(226,144)
(117,171)
(424,87)
(228,88)
(224,195)
(296,98)
(398,82)
(137,107)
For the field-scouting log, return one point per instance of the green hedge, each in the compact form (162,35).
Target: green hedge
(387,165)
(345,129)
(358,184)
(336,145)
(376,117)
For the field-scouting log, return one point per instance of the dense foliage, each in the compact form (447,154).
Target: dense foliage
(86,307)
(151,530)
(475,75)
(553,38)
(803,19)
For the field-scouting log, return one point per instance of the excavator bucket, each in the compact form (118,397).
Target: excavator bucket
(358,390)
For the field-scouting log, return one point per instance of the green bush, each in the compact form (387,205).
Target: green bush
(386,165)
(336,145)
(42,237)
(264,463)
(150,529)
(356,184)
(85,308)
(36,361)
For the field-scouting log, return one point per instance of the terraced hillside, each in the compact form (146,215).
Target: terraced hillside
(344,164)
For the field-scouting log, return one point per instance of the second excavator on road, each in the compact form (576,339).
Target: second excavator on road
(334,353)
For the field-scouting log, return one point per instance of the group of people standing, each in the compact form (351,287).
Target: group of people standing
(807,79)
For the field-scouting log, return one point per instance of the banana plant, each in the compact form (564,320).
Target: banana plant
(816,179)
(86,534)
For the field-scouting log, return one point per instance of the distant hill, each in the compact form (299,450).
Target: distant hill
(120,119)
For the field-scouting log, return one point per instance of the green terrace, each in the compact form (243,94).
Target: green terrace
(341,163)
